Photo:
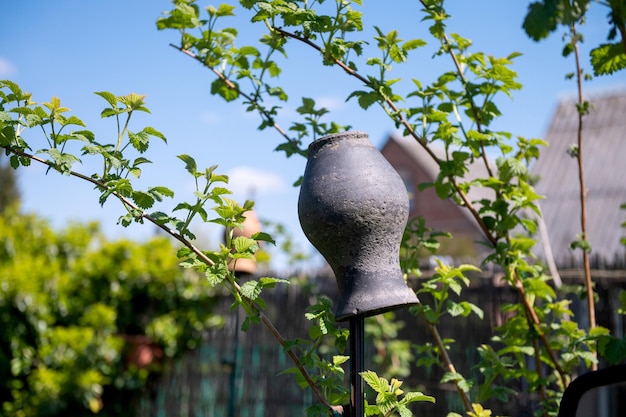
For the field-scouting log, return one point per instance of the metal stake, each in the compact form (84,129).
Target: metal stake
(357,365)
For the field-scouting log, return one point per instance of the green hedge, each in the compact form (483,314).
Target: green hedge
(87,322)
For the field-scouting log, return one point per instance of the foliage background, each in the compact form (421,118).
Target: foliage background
(75,308)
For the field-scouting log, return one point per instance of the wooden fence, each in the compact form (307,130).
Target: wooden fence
(237,374)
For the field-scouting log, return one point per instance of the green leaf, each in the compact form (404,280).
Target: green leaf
(372,379)
(153,132)
(14,160)
(365,99)
(225,10)
(162,219)
(108,112)
(404,411)
(62,161)
(509,168)
(270,282)
(220,88)
(140,141)
(184,16)
(216,273)
(615,350)
(339,359)
(109,97)
(7,136)
(142,199)
(459,309)
(451,377)
(599,331)
(541,19)
(413,44)
(242,244)
(263,237)
(417,396)
(159,192)
(581,243)
(55,106)
(134,102)
(251,289)
(190,163)
(72,120)
(444,190)
(608,58)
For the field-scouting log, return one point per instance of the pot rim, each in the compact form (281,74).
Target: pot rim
(336,137)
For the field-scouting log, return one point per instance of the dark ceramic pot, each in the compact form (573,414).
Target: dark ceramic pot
(353,207)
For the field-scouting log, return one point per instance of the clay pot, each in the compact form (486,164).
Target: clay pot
(251,225)
(353,207)
(142,351)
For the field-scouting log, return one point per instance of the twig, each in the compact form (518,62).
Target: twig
(583,191)
(530,311)
(449,366)
(234,87)
(479,128)
(542,387)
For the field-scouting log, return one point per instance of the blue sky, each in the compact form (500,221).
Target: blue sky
(72,48)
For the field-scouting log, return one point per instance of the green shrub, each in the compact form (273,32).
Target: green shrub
(74,309)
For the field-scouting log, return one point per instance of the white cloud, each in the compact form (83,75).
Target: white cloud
(330,103)
(7,69)
(250,182)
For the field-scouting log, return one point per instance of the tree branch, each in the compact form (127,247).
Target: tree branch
(235,286)
(449,366)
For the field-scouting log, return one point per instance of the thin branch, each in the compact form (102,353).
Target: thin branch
(449,365)
(264,319)
(537,326)
(542,386)
(583,191)
(234,87)
(479,128)
(547,247)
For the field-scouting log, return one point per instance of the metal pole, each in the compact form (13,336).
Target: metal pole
(357,365)
(232,392)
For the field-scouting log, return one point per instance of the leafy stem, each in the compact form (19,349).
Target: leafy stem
(265,115)
(236,288)
(534,320)
(448,364)
(583,109)
(447,47)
